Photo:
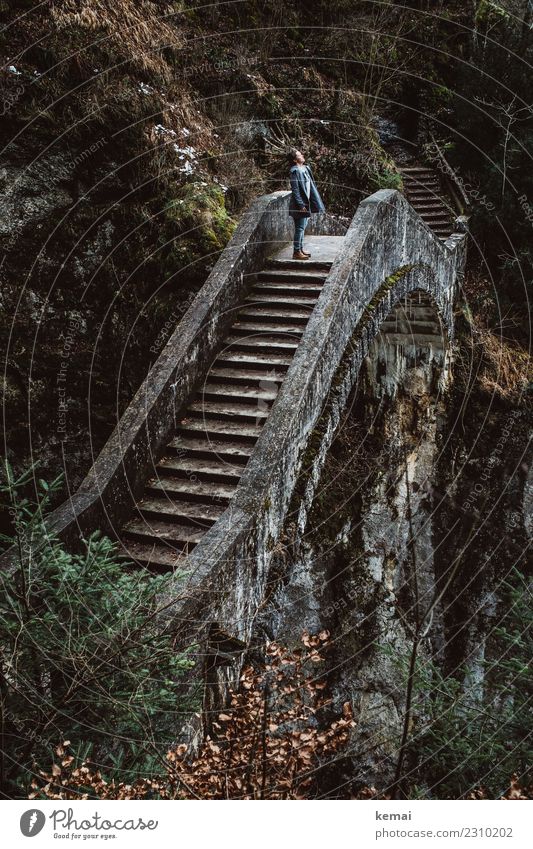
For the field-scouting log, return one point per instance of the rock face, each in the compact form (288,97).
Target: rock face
(66,304)
(105,199)
(379,554)
(29,195)
(364,565)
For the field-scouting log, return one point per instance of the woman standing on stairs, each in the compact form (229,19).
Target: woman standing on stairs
(305,199)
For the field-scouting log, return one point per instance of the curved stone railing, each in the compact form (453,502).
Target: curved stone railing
(388,252)
(118,475)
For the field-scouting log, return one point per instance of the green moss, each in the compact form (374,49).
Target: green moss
(388,284)
(197,203)
(488,12)
(197,226)
(387,179)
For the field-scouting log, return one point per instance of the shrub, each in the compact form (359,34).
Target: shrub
(469,745)
(80,656)
(267,744)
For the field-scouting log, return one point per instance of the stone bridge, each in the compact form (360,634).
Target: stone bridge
(215,512)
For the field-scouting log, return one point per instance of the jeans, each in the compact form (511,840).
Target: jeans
(299,228)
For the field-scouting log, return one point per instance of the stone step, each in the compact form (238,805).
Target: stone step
(281,328)
(298,264)
(263,342)
(205,469)
(288,301)
(420,176)
(221,373)
(270,313)
(420,185)
(431,206)
(434,191)
(305,290)
(442,224)
(208,491)
(430,180)
(252,359)
(228,408)
(416,169)
(171,509)
(434,213)
(218,427)
(291,274)
(424,192)
(434,217)
(282,284)
(155,529)
(416,201)
(266,391)
(153,556)
(437,222)
(425,195)
(234,450)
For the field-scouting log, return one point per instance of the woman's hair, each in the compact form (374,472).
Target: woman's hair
(291,155)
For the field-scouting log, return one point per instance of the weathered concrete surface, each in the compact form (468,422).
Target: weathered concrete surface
(388,252)
(322,249)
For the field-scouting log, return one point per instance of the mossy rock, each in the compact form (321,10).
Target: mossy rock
(197,225)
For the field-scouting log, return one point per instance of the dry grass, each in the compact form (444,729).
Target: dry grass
(503,367)
(135,28)
(507,366)
(498,342)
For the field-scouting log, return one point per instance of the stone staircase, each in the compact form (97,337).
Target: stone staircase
(423,189)
(197,476)
(184,455)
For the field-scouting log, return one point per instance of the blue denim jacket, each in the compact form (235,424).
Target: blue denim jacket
(298,198)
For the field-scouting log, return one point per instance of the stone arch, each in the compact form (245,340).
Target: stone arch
(387,254)
(411,349)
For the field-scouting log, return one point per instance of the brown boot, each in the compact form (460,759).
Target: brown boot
(300,255)
(306,253)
